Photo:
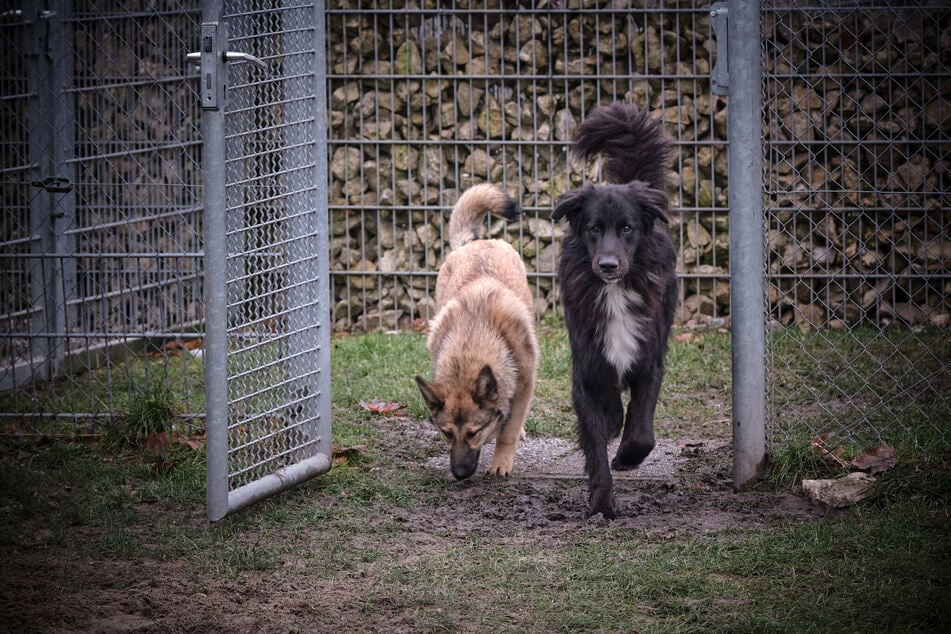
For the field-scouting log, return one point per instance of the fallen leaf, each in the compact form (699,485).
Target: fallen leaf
(156,442)
(195,443)
(684,337)
(377,406)
(342,454)
(192,442)
(876,459)
(820,445)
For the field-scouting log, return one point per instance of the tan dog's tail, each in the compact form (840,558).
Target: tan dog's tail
(468,216)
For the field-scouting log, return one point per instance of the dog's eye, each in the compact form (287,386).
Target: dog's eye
(626,228)
(594,230)
(447,434)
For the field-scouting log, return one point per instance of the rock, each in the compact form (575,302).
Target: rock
(839,492)
(346,162)
(408,60)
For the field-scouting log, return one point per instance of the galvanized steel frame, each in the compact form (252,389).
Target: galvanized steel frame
(267,282)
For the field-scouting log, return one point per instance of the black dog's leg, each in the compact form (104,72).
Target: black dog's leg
(637,440)
(599,414)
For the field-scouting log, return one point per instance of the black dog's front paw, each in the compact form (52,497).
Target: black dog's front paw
(601,502)
(631,456)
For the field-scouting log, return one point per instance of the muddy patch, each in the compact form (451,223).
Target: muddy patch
(682,489)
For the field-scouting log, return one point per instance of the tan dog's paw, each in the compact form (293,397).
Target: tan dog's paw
(499,470)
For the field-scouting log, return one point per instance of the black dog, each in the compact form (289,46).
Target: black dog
(618,288)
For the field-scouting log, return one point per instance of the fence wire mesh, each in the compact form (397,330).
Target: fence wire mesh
(278,312)
(858,120)
(101,239)
(429,98)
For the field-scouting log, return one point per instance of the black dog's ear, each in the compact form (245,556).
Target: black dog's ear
(570,202)
(653,202)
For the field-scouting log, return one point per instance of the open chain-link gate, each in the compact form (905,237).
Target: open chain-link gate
(267,354)
(143,261)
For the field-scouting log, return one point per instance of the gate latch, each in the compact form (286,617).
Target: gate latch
(54,184)
(212,58)
(720,77)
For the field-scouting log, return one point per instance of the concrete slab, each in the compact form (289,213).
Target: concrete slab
(558,458)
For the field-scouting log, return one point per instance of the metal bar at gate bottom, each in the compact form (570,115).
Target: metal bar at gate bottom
(747,294)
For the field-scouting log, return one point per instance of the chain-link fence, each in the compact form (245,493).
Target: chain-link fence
(858,124)
(100,253)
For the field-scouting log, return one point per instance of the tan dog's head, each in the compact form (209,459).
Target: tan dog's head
(467,416)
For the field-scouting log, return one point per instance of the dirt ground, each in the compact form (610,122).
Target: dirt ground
(683,489)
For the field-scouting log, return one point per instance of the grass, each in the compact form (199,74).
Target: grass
(882,566)
(151,412)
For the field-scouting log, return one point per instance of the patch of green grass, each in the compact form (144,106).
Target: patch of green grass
(872,572)
(551,413)
(855,389)
(110,391)
(378,365)
(151,411)
(234,558)
(695,398)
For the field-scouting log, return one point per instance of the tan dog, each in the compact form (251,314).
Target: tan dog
(482,340)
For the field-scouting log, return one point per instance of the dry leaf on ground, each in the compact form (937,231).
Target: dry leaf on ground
(377,406)
(876,459)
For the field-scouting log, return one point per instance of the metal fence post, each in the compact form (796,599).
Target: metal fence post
(53,201)
(215,351)
(747,295)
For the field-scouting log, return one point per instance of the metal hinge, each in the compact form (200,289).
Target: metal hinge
(211,59)
(720,76)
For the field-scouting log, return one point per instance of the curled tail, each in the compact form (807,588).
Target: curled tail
(468,215)
(635,144)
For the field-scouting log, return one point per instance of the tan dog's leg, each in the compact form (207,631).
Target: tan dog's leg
(504,457)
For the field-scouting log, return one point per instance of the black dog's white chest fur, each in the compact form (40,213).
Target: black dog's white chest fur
(622,329)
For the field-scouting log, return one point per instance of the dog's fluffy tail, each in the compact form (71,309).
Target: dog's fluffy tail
(468,216)
(635,144)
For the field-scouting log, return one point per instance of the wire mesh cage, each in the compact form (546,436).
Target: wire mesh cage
(102,239)
(102,254)
(857,182)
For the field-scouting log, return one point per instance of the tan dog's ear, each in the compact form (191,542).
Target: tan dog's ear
(433,394)
(486,388)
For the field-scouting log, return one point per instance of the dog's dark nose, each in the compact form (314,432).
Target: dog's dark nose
(463,461)
(464,471)
(608,264)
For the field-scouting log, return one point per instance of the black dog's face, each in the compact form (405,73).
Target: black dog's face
(612,220)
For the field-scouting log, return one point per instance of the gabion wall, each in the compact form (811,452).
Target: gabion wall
(429,98)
